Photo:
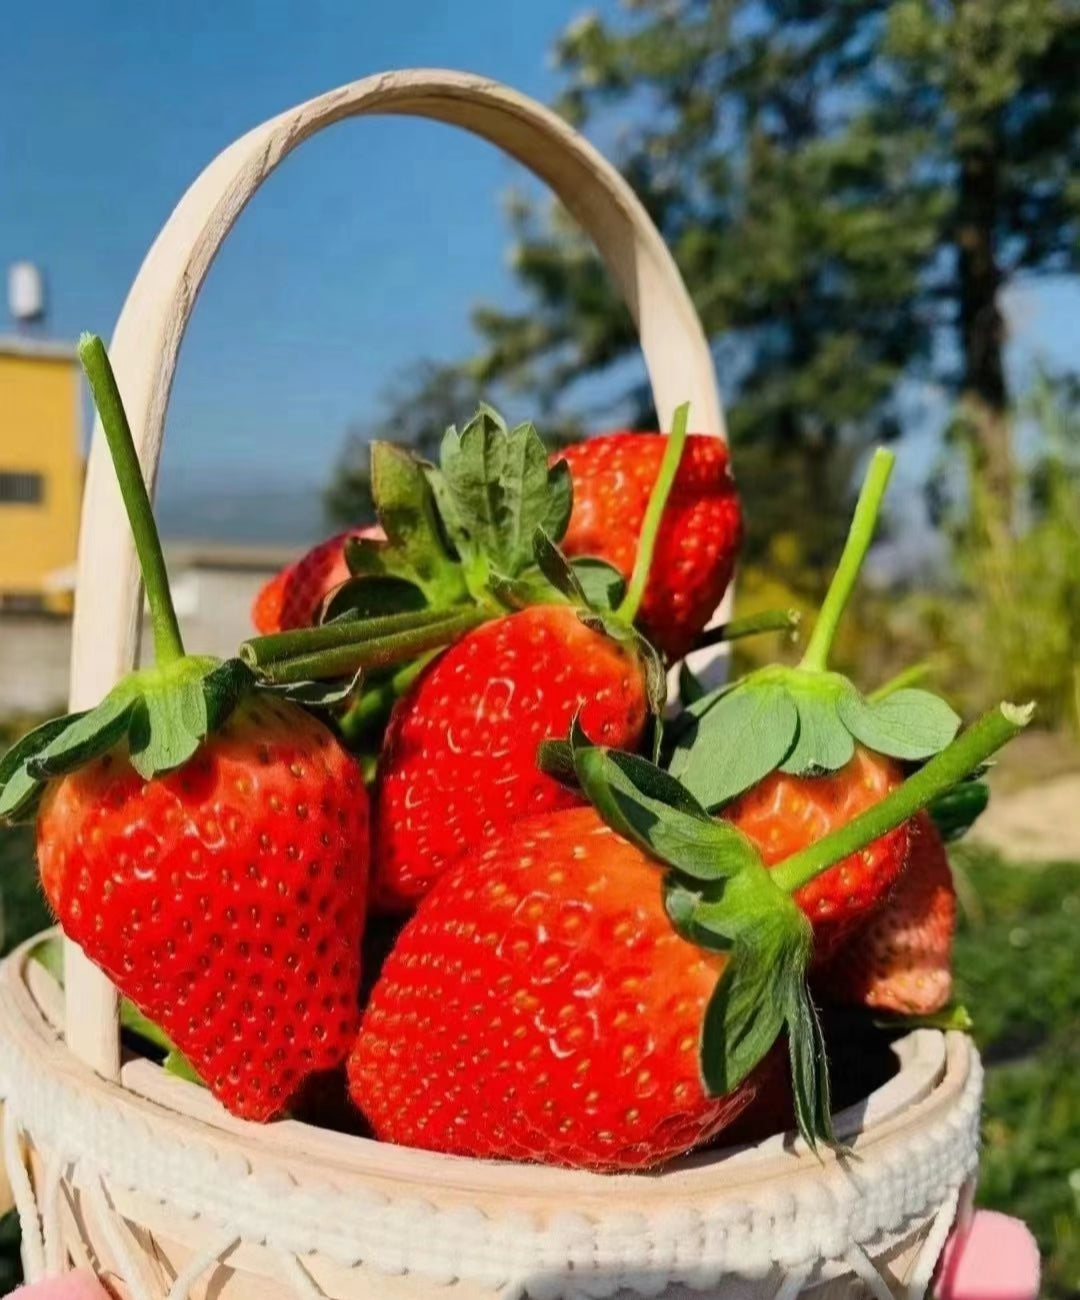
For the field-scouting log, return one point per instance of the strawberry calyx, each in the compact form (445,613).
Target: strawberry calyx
(806,720)
(719,895)
(467,541)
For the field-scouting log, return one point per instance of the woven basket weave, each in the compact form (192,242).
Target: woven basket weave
(115,1166)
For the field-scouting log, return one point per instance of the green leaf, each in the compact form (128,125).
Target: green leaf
(651,808)
(167,727)
(907,724)
(687,910)
(176,1063)
(742,1021)
(373,596)
(317,695)
(809,1062)
(690,688)
(18,787)
(955,1016)
(49,953)
(560,501)
(90,735)
(556,759)
(957,810)
(494,490)
(745,736)
(602,584)
(223,689)
(823,743)
(557,569)
(415,549)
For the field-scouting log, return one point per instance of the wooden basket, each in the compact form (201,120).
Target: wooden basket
(115,1166)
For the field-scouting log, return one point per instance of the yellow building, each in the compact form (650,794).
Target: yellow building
(41,472)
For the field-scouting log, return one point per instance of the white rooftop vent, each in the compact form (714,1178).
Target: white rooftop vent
(26,292)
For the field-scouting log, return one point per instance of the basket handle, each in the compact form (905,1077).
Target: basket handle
(147,339)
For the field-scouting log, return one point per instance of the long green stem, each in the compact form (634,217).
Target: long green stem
(260,650)
(168,644)
(943,771)
(859,537)
(343,661)
(771,620)
(654,512)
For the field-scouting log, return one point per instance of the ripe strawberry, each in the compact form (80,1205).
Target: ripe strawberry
(225,898)
(783,814)
(698,539)
(292,597)
(900,960)
(204,841)
(539,1006)
(605,993)
(459,760)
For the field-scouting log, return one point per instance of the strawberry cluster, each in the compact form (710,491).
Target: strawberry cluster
(596,927)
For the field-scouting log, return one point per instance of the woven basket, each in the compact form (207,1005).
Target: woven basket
(115,1166)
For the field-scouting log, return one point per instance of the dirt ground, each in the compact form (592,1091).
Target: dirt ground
(1034,812)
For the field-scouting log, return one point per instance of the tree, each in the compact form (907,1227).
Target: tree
(847,186)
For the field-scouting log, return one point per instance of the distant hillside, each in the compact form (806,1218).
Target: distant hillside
(242,515)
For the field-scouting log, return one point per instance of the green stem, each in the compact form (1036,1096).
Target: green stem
(168,644)
(343,661)
(942,772)
(654,511)
(859,537)
(772,620)
(906,677)
(261,650)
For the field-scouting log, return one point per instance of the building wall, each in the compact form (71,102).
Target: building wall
(39,434)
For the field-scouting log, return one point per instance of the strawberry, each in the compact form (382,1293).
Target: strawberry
(604,987)
(205,841)
(900,959)
(789,754)
(783,814)
(539,1006)
(459,759)
(293,597)
(225,898)
(699,535)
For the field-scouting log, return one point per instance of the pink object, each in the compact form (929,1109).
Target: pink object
(996,1258)
(73,1286)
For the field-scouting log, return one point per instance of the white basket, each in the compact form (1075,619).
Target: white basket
(146,1179)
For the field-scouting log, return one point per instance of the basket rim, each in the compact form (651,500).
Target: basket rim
(934,1069)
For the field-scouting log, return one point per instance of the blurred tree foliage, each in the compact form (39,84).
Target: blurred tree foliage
(847,186)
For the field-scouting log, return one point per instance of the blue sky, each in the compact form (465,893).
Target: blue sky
(364,252)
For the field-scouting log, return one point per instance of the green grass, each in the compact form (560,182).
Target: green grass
(1019,975)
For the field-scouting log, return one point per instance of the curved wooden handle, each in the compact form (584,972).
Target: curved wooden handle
(151,326)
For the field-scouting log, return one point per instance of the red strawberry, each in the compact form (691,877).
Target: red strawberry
(900,960)
(459,759)
(204,841)
(783,814)
(225,898)
(292,597)
(539,1006)
(698,539)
